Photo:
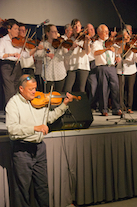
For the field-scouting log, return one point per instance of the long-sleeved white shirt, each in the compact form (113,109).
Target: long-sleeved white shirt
(129,64)
(101,59)
(21,117)
(78,59)
(91,55)
(7,47)
(27,62)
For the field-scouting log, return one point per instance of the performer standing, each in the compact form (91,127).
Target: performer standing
(91,86)
(27,64)
(68,31)
(106,72)
(27,127)
(55,71)
(9,55)
(78,66)
(67,35)
(127,70)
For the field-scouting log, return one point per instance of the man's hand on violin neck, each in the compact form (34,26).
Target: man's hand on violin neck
(69,98)
(41,128)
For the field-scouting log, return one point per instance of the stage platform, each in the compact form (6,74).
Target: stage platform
(100,124)
(87,166)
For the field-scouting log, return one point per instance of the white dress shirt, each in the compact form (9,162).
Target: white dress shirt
(21,117)
(27,62)
(91,55)
(101,59)
(7,47)
(129,64)
(78,59)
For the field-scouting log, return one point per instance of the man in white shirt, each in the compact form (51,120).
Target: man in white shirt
(68,31)
(27,65)
(91,86)
(106,73)
(27,126)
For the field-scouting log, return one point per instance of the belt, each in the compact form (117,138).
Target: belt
(107,65)
(10,62)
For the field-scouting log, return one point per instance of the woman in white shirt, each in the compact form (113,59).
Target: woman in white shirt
(127,70)
(55,71)
(9,55)
(78,64)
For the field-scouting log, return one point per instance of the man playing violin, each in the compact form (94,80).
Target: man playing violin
(91,86)
(27,126)
(126,70)
(9,55)
(106,72)
(27,64)
(68,31)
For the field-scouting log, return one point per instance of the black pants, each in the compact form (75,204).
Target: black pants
(77,80)
(126,85)
(108,80)
(58,85)
(91,86)
(30,165)
(10,75)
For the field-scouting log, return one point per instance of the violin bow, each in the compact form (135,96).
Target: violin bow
(20,52)
(47,110)
(81,34)
(32,35)
(24,45)
(131,46)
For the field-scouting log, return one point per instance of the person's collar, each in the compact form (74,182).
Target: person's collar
(8,37)
(100,39)
(22,98)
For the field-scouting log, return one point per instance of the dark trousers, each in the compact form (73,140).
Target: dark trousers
(91,86)
(30,165)
(126,86)
(58,85)
(29,71)
(10,75)
(77,80)
(108,80)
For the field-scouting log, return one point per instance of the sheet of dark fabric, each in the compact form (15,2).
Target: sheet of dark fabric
(84,168)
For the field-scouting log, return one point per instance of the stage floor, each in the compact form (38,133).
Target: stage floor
(100,124)
(112,120)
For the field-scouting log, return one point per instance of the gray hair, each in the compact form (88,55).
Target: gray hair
(99,29)
(24,78)
(67,26)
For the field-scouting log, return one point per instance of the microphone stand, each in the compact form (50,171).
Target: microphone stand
(44,57)
(122,58)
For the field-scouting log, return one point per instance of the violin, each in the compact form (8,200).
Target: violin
(60,42)
(131,45)
(42,99)
(82,35)
(112,40)
(19,42)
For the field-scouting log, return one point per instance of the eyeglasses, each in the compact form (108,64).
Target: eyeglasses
(54,32)
(22,30)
